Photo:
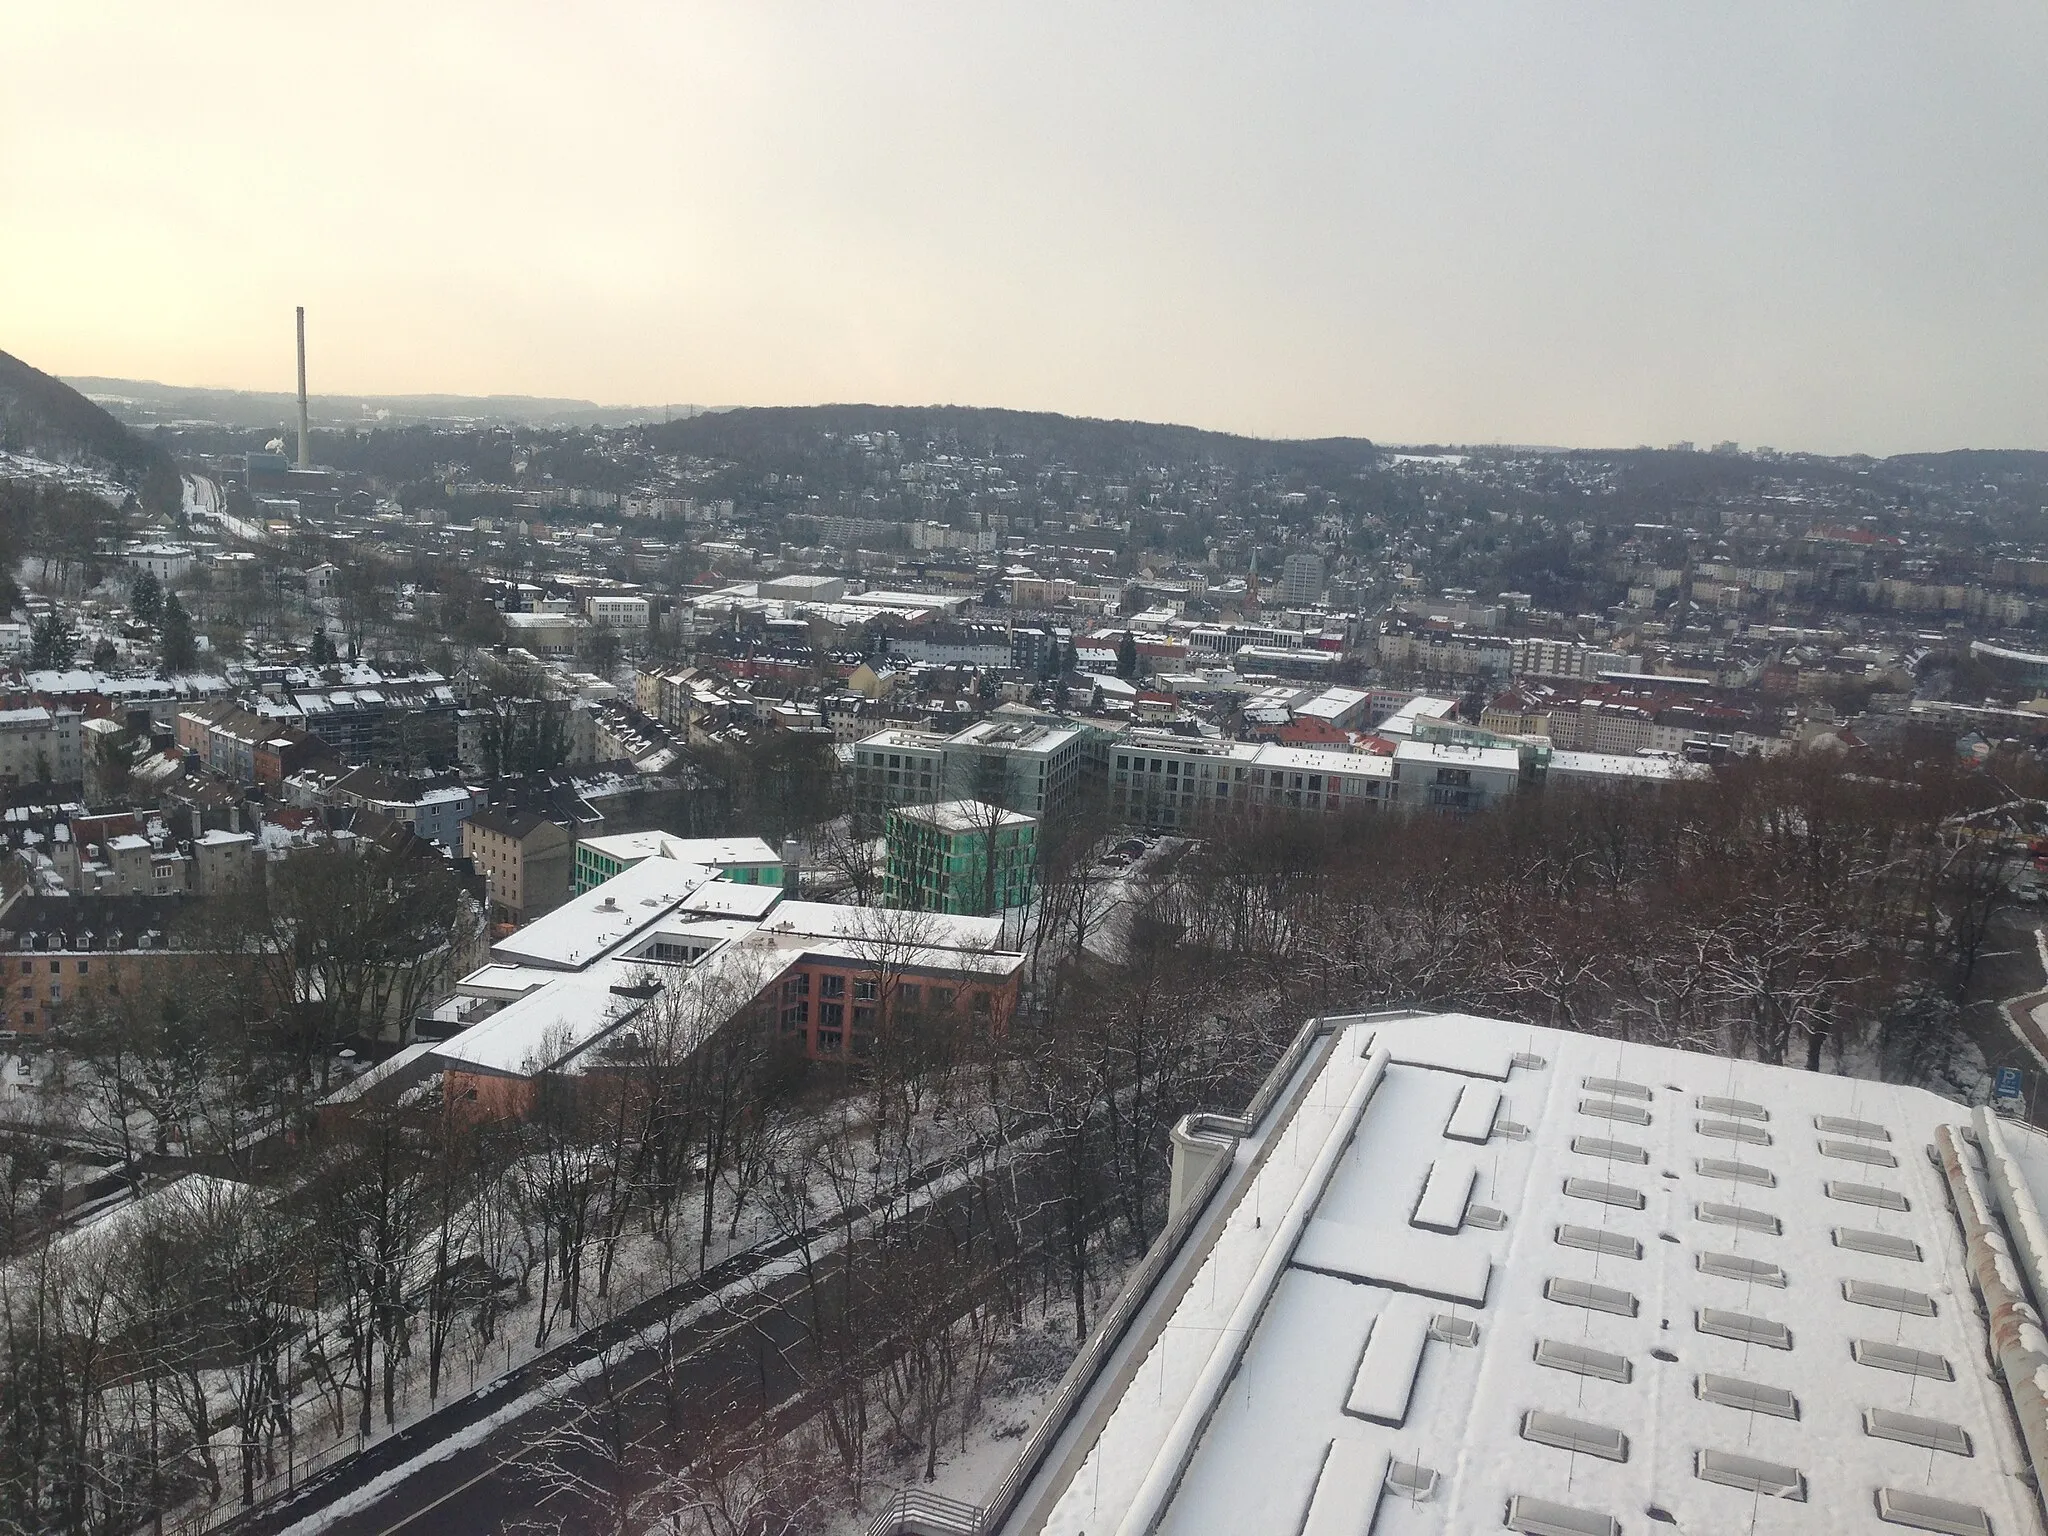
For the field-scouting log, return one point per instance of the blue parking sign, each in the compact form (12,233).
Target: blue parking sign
(2008,1084)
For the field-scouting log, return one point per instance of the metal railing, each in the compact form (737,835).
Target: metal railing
(915,1513)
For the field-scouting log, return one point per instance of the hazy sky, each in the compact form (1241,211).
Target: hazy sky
(1808,224)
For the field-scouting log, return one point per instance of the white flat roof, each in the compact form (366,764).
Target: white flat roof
(1500,759)
(717,852)
(964,815)
(586,927)
(1617,765)
(1484,1262)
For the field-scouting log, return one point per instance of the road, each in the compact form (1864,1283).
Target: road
(553,1466)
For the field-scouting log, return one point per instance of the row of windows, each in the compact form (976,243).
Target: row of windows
(56,967)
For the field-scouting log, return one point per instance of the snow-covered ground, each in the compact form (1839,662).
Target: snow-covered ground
(28,466)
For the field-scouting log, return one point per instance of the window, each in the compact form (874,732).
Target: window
(831,1016)
(866,989)
(831,985)
(911,994)
(942,997)
(81,967)
(56,967)
(797,986)
(796,1015)
(863,1017)
(28,967)
(28,994)
(831,1040)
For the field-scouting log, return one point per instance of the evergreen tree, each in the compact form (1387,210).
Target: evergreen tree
(174,638)
(1127,655)
(104,657)
(52,642)
(146,598)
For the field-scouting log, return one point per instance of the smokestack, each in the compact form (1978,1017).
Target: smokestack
(305,443)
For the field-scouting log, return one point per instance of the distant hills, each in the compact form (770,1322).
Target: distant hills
(42,415)
(143,402)
(1085,443)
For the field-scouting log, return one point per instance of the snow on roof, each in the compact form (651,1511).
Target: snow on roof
(717,852)
(964,815)
(874,928)
(1618,765)
(587,927)
(544,1027)
(1468,1262)
(1500,759)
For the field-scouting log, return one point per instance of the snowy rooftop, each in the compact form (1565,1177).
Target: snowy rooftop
(588,926)
(717,852)
(1619,765)
(1471,1275)
(964,816)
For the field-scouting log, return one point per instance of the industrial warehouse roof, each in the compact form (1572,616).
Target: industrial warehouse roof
(1471,1275)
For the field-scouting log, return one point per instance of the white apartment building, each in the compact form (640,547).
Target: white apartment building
(614,611)
(38,744)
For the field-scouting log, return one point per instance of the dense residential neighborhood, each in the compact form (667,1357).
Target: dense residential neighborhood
(516,884)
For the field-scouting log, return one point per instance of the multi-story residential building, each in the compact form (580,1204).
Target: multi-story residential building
(959,856)
(617,611)
(39,745)
(57,951)
(1161,780)
(898,767)
(525,861)
(742,860)
(1442,776)
(1021,764)
(1301,579)
(433,808)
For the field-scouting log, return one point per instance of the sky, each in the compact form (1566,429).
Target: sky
(1819,226)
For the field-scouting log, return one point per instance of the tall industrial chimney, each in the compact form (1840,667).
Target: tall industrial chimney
(305,442)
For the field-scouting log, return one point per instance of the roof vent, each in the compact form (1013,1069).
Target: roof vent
(1910,1429)
(1616,1087)
(1835,1125)
(1919,1512)
(1581,1361)
(1615,1244)
(1611,1109)
(1741,1326)
(1716,1214)
(1540,1517)
(1597,1298)
(1461,1331)
(1733,1267)
(1750,1475)
(1749,1396)
(1614,1151)
(1411,1480)
(1896,1357)
(1866,1293)
(1867,1194)
(1606,1194)
(1740,1109)
(1741,1173)
(1554,1429)
(1883,1244)
(1733,1130)
(1858,1152)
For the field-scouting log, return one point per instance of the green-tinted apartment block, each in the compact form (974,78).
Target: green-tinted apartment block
(939,858)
